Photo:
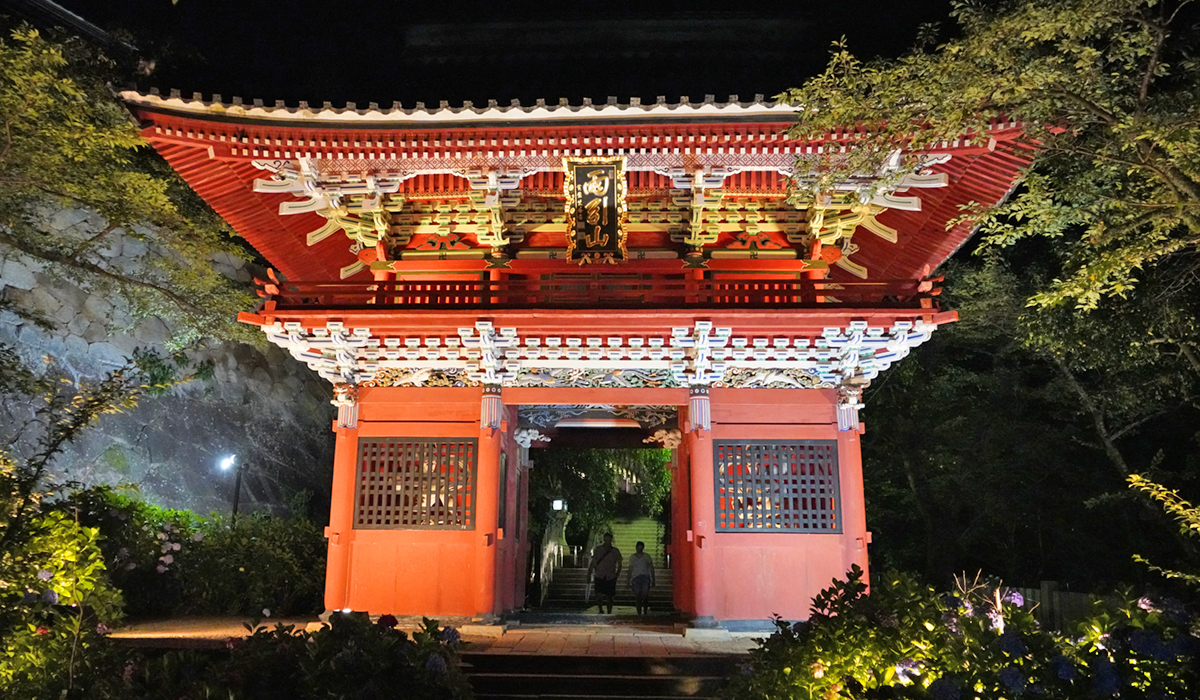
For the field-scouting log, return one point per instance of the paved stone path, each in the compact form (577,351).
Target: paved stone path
(631,639)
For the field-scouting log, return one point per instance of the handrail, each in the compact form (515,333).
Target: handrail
(649,291)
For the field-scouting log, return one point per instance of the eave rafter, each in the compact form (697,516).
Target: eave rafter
(365,205)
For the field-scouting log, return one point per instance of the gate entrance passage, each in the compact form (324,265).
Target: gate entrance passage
(446,268)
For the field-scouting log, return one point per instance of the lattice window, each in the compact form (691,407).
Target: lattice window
(416,484)
(777,486)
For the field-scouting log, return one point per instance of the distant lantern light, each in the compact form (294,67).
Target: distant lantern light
(227,462)
(558,504)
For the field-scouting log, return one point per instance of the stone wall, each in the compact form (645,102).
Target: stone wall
(261,405)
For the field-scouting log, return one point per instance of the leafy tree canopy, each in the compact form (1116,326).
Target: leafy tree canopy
(66,142)
(1107,93)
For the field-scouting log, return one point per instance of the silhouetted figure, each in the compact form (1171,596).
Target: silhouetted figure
(641,578)
(605,567)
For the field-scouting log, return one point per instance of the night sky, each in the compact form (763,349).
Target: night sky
(454,51)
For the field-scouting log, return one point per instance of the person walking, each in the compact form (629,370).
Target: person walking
(641,578)
(605,567)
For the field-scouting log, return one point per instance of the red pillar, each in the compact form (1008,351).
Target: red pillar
(854,513)
(705,577)
(341,519)
(486,514)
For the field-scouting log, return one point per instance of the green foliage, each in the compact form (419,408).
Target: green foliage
(67,142)
(163,372)
(1184,513)
(1004,442)
(171,562)
(1106,92)
(906,640)
(54,608)
(587,479)
(351,658)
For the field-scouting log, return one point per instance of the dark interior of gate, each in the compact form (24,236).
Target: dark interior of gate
(600,469)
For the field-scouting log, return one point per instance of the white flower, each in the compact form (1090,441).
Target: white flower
(266,612)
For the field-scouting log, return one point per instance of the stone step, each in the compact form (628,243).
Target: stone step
(501,677)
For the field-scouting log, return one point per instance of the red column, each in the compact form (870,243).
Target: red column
(705,582)
(854,512)
(341,519)
(487,490)
(681,523)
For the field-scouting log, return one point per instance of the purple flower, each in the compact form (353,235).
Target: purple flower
(951,622)
(995,619)
(166,558)
(1182,645)
(1015,598)
(1011,644)
(161,569)
(45,575)
(387,620)
(1063,668)
(103,629)
(907,670)
(449,635)
(436,664)
(50,597)
(1149,644)
(266,612)
(1012,678)
(944,688)
(198,537)
(1106,681)
(1148,605)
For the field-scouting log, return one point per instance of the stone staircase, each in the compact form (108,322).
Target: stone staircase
(569,585)
(519,676)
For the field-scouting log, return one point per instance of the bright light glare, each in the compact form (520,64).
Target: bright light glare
(557,504)
(227,462)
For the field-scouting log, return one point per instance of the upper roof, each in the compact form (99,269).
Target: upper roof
(494,114)
(221,149)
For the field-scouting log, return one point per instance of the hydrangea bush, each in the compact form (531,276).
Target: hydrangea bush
(350,658)
(906,640)
(172,562)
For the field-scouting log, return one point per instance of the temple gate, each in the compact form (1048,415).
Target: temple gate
(442,268)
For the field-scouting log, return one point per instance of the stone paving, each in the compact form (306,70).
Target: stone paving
(617,638)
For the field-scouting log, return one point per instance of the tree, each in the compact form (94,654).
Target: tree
(587,479)
(66,142)
(1106,92)
(981,454)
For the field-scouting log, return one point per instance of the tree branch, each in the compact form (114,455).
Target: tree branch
(1106,440)
(94,269)
(1160,36)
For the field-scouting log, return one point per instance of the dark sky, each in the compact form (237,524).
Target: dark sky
(432,51)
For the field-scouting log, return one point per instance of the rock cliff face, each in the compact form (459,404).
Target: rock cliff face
(261,405)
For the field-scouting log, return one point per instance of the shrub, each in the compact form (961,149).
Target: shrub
(171,562)
(255,562)
(57,605)
(906,640)
(351,658)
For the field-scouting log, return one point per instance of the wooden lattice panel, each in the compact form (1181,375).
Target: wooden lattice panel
(415,484)
(777,486)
